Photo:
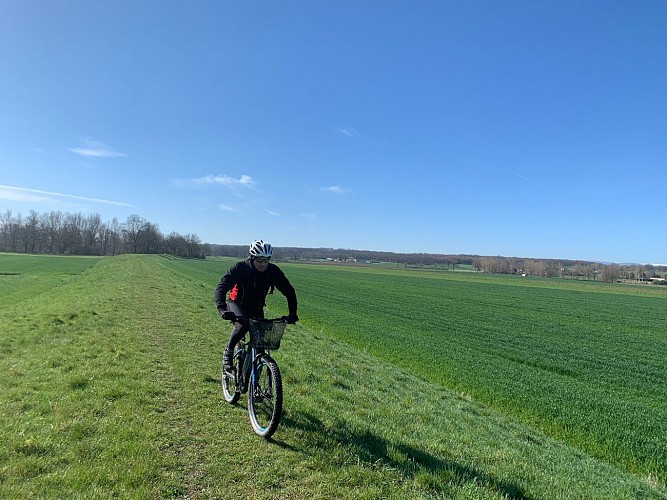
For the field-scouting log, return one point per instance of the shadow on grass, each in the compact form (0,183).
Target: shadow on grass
(429,472)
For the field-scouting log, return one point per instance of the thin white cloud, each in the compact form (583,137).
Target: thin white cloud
(528,179)
(275,214)
(13,193)
(309,216)
(227,208)
(10,193)
(96,149)
(346,131)
(335,189)
(222,180)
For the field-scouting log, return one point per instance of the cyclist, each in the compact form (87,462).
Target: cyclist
(248,282)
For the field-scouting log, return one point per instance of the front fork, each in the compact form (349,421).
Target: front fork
(249,373)
(250,364)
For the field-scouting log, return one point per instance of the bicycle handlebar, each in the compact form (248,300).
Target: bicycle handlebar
(245,320)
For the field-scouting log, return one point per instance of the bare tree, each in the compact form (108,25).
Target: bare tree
(90,233)
(114,236)
(153,241)
(176,244)
(6,220)
(193,245)
(29,232)
(611,272)
(52,228)
(133,231)
(104,238)
(72,240)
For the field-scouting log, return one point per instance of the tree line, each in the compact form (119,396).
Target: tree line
(77,234)
(342,255)
(67,233)
(551,268)
(548,268)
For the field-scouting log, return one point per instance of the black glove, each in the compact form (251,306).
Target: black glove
(291,318)
(228,315)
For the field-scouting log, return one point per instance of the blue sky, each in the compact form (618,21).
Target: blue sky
(528,129)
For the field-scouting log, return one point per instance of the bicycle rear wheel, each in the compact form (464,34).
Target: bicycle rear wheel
(265,397)
(231,384)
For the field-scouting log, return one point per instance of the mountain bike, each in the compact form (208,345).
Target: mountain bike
(254,371)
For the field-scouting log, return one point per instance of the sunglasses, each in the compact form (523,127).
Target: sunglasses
(262,260)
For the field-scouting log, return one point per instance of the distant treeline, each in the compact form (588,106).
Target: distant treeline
(77,234)
(500,265)
(552,268)
(343,255)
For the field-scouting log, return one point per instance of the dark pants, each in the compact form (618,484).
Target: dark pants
(239,330)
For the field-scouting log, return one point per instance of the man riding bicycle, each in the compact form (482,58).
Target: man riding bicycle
(248,282)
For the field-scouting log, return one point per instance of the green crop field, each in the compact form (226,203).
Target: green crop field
(399,384)
(586,363)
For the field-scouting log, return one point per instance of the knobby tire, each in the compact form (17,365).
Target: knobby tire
(265,398)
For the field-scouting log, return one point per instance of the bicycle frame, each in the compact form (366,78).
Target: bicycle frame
(249,372)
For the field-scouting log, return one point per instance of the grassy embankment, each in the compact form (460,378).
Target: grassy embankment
(108,387)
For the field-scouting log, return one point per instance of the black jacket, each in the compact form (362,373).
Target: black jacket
(248,287)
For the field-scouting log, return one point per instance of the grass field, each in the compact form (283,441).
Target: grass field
(399,384)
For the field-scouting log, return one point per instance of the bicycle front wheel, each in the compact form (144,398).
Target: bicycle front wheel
(265,397)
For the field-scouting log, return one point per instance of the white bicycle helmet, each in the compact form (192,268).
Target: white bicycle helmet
(259,248)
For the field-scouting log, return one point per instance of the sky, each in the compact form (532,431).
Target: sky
(524,129)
